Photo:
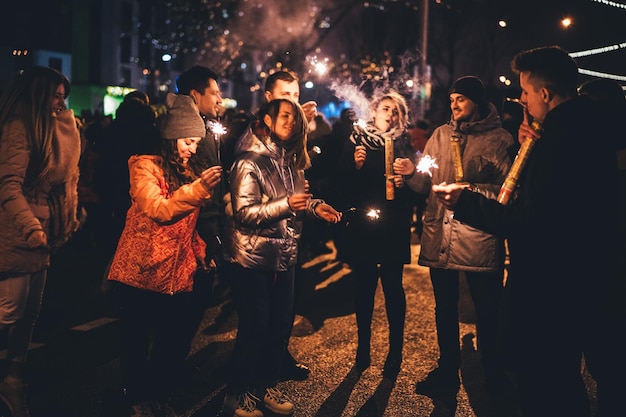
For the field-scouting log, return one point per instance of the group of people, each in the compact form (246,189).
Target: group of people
(202,202)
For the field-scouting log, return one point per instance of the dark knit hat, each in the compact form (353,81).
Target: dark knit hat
(472,88)
(182,119)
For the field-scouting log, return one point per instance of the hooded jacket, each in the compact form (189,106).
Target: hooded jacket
(159,247)
(446,242)
(262,231)
(29,203)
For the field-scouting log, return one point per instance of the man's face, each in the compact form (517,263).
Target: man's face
(209,101)
(283,89)
(461,106)
(533,96)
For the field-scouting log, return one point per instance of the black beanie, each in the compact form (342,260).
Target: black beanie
(182,119)
(472,88)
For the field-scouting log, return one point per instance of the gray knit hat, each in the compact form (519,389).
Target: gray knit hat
(472,88)
(182,119)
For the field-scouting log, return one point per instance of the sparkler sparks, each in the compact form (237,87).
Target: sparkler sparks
(425,164)
(319,66)
(360,123)
(217,129)
(373,214)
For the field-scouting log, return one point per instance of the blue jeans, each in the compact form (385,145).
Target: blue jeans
(264,303)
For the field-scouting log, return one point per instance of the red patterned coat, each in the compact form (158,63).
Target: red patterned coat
(159,247)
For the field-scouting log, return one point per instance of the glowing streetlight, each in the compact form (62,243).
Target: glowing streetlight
(566,22)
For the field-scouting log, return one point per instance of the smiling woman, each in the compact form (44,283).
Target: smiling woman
(159,253)
(39,153)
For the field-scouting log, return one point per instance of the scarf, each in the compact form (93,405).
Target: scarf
(371,137)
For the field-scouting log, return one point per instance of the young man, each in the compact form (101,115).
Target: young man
(450,247)
(201,83)
(562,241)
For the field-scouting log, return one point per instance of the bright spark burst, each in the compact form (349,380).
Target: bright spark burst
(425,164)
(319,66)
(360,123)
(217,129)
(373,214)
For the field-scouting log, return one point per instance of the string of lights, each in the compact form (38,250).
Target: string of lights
(611,3)
(596,51)
(602,50)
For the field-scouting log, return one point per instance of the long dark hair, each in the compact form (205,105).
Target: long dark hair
(176,173)
(297,142)
(28,98)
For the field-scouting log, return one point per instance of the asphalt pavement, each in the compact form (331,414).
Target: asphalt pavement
(74,358)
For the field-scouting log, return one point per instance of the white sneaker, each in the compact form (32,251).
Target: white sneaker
(248,406)
(277,402)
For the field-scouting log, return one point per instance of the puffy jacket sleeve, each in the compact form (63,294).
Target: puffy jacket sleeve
(147,188)
(14,160)
(250,207)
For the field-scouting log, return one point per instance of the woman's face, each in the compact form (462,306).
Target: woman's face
(387,115)
(58,102)
(285,122)
(187,147)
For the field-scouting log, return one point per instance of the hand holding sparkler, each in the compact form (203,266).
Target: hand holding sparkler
(210,177)
(448,194)
(404,166)
(328,213)
(310,110)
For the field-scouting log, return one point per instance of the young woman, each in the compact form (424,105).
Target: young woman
(39,153)
(159,252)
(377,241)
(268,199)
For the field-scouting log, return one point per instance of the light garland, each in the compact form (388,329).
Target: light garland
(596,51)
(602,74)
(611,3)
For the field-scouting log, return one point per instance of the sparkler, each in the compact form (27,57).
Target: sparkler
(218,130)
(360,123)
(372,214)
(425,164)
(318,66)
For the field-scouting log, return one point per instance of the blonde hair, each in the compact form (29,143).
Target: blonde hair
(399,101)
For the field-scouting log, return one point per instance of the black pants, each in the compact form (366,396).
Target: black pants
(153,340)
(486,291)
(395,303)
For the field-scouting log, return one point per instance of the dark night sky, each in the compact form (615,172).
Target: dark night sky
(33,23)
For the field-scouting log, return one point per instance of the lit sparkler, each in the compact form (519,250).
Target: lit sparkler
(425,164)
(319,66)
(373,214)
(218,130)
(360,123)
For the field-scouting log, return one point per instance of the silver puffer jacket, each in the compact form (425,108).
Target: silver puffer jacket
(262,231)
